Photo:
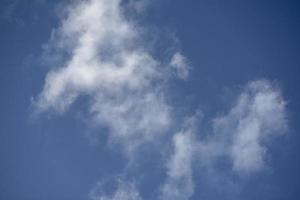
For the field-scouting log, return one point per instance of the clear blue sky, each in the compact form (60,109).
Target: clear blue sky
(151,98)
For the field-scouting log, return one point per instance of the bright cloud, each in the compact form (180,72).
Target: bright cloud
(241,135)
(108,63)
(258,115)
(179,183)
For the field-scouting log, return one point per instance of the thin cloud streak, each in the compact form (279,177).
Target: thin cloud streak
(122,191)
(179,183)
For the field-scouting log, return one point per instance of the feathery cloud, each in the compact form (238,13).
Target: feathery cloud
(109,64)
(179,184)
(258,116)
(179,63)
(106,61)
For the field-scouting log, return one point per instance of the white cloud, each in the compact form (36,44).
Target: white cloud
(108,63)
(241,135)
(122,191)
(179,184)
(257,116)
(179,63)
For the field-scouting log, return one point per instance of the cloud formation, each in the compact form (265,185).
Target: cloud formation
(179,63)
(241,136)
(179,183)
(106,61)
(258,115)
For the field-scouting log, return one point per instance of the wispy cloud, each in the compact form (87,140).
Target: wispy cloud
(258,116)
(241,136)
(179,183)
(179,63)
(106,61)
(121,191)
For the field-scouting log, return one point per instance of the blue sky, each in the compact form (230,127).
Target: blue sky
(141,99)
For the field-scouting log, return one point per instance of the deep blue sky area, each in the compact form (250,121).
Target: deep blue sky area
(227,43)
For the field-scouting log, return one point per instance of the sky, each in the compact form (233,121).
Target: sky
(149,100)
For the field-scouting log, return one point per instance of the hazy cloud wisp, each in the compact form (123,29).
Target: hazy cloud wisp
(107,61)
